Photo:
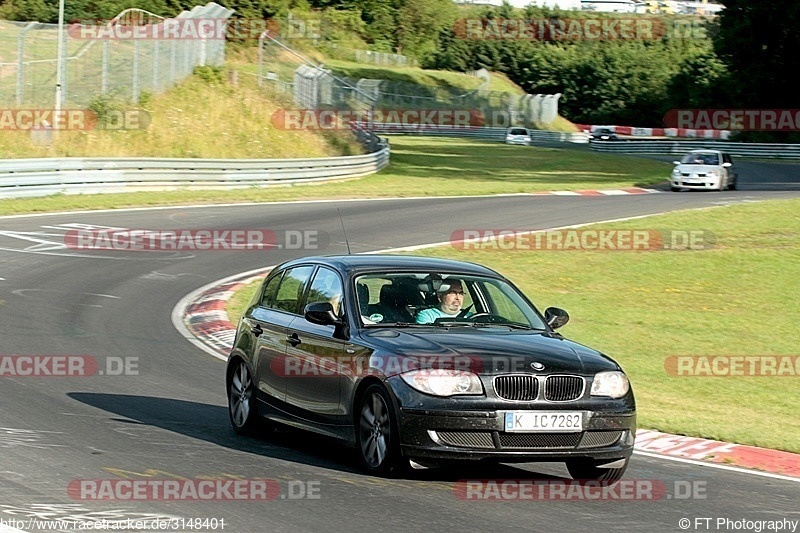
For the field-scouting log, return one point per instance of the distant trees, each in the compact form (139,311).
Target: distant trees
(749,59)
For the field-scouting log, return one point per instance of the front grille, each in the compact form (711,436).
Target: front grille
(598,439)
(540,440)
(466,439)
(519,388)
(563,388)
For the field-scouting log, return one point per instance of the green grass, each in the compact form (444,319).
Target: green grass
(238,302)
(238,125)
(420,76)
(421,166)
(737,298)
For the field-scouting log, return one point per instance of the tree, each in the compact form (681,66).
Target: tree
(758,43)
(38,10)
(417,24)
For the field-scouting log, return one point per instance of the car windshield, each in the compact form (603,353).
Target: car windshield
(443,300)
(518,131)
(700,159)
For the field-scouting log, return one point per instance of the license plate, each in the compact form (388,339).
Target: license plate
(547,421)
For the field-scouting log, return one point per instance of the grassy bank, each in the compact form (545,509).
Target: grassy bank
(421,166)
(738,298)
(204,117)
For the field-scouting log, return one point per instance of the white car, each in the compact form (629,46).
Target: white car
(518,136)
(703,169)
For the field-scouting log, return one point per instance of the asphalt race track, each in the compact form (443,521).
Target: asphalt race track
(164,417)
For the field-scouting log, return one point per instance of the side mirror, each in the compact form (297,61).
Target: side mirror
(726,165)
(676,162)
(321,313)
(556,317)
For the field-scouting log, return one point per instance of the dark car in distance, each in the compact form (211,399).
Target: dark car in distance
(334,345)
(603,134)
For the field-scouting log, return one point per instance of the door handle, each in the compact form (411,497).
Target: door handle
(293,339)
(257,331)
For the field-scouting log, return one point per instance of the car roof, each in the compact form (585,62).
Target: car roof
(355,264)
(706,151)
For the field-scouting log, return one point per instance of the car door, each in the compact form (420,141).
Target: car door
(730,170)
(315,358)
(270,321)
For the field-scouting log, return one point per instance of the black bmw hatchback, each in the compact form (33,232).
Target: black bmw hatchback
(430,360)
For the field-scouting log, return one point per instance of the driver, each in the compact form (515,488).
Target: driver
(451,297)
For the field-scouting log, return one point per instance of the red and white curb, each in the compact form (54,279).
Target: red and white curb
(661,132)
(600,192)
(202,318)
(207,319)
(694,448)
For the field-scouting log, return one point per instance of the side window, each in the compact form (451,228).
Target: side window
(504,306)
(291,289)
(271,291)
(326,287)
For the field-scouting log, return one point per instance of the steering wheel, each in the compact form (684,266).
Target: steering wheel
(488,318)
(464,312)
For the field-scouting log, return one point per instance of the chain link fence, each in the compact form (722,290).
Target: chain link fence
(105,59)
(316,87)
(384,59)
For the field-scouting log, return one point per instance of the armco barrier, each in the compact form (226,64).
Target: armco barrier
(491,134)
(628,147)
(669,147)
(72,175)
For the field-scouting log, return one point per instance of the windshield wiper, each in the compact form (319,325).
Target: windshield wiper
(396,324)
(512,325)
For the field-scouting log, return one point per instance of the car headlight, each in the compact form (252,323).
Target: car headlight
(676,170)
(443,382)
(614,384)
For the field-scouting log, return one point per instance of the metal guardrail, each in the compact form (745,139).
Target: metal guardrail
(669,147)
(628,147)
(491,134)
(73,175)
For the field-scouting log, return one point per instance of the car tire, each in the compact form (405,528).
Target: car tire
(675,189)
(732,185)
(242,407)
(377,434)
(587,470)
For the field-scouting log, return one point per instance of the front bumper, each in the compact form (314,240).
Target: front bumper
(477,435)
(704,183)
